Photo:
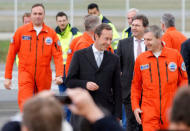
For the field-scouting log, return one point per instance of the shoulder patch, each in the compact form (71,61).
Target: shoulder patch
(183,67)
(69,51)
(58,43)
(172,66)
(144,67)
(48,40)
(25,37)
(12,40)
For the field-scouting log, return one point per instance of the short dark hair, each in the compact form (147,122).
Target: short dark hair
(102,27)
(143,18)
(27,14)
(38,4)
(92,6)
(60,14)
(180,111)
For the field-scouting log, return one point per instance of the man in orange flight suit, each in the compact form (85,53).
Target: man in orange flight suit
(35,44)
(171,38)
(158,73)
(84,40)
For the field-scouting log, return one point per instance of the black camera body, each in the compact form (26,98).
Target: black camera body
(64,99)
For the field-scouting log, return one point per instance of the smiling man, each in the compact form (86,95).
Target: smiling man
(158,73)
(98,71)
(35,43)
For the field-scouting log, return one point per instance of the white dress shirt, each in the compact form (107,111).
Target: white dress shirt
(135,41)
(95,51)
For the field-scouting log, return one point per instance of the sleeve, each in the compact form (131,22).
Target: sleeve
(183,80)
(185,52)
(117,90)
(57,55)
(13,49)
(73,79)
(136,87)
(107,123)
(167,40)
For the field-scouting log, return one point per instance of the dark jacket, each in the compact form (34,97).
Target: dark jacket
(83,69)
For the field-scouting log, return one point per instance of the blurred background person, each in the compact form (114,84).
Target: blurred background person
(130,14)
(172,38)
(93,9)
(65,34)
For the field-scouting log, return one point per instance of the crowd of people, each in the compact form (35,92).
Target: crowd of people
(133,78)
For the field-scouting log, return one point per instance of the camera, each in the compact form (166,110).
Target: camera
(64,99)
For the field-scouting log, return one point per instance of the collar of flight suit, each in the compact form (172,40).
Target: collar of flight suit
(163,53)
(31,27)
(170,29)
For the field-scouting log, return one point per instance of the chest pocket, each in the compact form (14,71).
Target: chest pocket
(146,70)
(47,46)
(26,42)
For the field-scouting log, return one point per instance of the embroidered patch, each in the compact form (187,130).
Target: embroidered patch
(25,37)
(69,51)
(183,66)
(172,66)
(48,40)
(12,40)
(144,67)
(59,43)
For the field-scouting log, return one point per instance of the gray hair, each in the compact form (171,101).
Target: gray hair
(91,21)
(133,10)
(156,30)
(168,20)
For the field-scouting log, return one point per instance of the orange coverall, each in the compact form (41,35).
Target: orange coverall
(157,79)
(83,42)
(34,53)
(173,38)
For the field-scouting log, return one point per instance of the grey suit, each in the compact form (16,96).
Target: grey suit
(125,51)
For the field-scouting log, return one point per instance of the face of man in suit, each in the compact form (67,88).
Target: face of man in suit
(152,43)
(103,41)
(137,28)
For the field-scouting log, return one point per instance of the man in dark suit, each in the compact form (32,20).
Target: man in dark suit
(128,49)
(98,71)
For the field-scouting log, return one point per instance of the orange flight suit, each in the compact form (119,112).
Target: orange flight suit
(34,53)
(157,79)
(83,42)
(173,38)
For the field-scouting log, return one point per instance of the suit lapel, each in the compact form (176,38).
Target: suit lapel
(91,57)
(131,49)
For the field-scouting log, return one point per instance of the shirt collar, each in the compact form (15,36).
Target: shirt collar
(95,50)
(142,39)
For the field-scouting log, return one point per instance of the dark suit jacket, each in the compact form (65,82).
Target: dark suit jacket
(83,69)
(125,50)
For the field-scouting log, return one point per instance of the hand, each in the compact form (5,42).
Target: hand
(83,104)
(58,80)
(92,86)
(7,84)
(137,112)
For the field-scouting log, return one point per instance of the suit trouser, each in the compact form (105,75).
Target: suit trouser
(132,124)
